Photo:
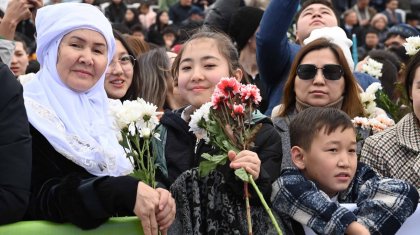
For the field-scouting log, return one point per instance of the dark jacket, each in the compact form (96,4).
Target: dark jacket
(15,149)
(183,152)
(116,13)
(65,192)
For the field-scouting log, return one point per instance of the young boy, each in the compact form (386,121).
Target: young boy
(327,173)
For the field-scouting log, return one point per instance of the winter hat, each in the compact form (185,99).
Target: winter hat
(243,24)
(337,36)
(404,30)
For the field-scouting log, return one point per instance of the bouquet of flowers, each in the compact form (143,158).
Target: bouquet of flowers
(227,123)
(375,97)
(137,121)
(412,46)
(369,126)
(373,68)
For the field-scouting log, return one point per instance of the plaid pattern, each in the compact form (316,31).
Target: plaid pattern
(395,152)
(383,204)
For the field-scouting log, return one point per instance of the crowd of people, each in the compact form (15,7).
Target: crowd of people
(64,63)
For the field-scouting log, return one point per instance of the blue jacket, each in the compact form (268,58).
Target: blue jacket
(275,53)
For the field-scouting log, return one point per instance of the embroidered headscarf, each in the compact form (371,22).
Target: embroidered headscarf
(76,124)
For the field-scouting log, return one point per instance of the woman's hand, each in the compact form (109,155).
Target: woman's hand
(147,203)
(167,210)
(246,159)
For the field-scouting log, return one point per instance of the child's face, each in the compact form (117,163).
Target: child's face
(201,68)
(331,161)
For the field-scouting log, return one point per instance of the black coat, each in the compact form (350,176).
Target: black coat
(63,191)
(182,153)
(15,149)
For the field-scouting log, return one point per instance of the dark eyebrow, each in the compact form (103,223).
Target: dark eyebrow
(83,40)
(202,59)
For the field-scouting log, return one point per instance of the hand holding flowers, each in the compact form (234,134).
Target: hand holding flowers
(228,122)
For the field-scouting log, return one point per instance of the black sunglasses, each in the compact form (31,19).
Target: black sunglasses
(330,71)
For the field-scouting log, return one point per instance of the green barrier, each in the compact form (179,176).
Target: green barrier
(120,226)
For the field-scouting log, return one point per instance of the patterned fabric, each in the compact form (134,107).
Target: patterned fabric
(207,206)
(383,204)
(395,152)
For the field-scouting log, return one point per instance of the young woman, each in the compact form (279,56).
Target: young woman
(122,76)
(214,204)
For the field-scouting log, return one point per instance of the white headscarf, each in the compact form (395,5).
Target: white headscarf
(337,36)
(76,124)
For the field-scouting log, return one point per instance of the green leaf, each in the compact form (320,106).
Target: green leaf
(242,174)
(210,163)
(206,167)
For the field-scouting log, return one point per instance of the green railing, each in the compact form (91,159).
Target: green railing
(120,226)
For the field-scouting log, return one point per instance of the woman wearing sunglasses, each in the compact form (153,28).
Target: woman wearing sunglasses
(319,77)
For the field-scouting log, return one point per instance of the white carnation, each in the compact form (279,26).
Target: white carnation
(373,88)
(412,46)
(373,68)
(200,114)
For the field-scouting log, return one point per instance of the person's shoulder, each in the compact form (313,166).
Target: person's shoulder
(10,86)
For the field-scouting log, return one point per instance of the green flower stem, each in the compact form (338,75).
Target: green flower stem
(266,207)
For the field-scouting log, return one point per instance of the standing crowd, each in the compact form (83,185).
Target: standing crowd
(314,61)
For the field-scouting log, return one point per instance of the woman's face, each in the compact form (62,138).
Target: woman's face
(129,15)
(201,68)
(20,60)
(319,91)
(415,93)
(164,18)
(120,74)
(82,59)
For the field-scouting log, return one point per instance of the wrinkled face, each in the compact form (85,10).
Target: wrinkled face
(415,93)
(371,40)
(315,16)
(319,91)
(331,161)
(20,60)
(82,59)
(201,68)
(119,75)
(129,15)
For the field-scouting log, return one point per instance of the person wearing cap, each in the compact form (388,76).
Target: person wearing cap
(80,173)
(244,25)
(398,34)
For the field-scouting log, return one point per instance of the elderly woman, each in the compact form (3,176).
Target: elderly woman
(319,77)
(79,170)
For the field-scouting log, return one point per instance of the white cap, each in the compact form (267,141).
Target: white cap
(337,36)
